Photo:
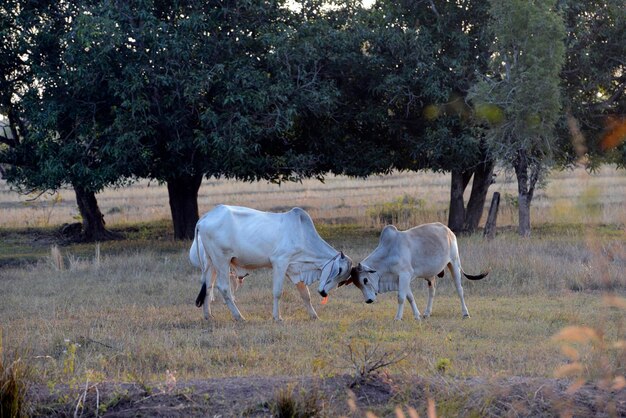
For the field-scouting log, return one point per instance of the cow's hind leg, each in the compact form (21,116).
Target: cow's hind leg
(306,297)
(209,297)
(223,285)
(431,296)
(278,278)
(455,269)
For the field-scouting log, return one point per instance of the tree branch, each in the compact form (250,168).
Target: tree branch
(619,91)
(434,9)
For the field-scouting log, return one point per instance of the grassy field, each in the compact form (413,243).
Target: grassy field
(124,311)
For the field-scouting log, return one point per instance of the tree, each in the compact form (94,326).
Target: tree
(460,50)
(594,83)
(520,97)
(56,98)
(401,73)
(201,95)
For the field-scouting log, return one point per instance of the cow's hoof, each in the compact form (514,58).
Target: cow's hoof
(419,318)
(466,316)
(314,317)
(278,320)
(425,316)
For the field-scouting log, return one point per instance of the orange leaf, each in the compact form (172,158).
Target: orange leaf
(616,133)
(413,413)
(619,383)
(615,302)
(568,370)
(570,352)
(577,334)
(577,384)
(431,412)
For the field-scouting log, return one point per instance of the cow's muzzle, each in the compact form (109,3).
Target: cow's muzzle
(323,293)
(369,301)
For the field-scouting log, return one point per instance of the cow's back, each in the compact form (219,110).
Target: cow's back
(431,247)
(250,235)
(429,240)
(424,249)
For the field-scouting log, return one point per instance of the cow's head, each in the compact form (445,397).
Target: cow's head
(335,271)
(366,280)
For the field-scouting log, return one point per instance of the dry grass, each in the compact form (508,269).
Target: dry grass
(15,376)
(570,197)
(124,311)
(131,317)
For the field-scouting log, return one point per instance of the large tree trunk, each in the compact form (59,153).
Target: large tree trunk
(523,209)
(483,178)
(183,194)
(527,176)
(93,221)
(460,218)
(456,215)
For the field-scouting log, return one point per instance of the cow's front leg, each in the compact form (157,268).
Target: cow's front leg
(404,289)
(306,297)
(223,285)
(431,297)
(278,278)
(411,299)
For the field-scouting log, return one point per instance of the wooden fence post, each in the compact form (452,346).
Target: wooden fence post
(490,226)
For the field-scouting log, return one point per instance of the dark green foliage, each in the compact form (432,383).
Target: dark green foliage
(65,104)
(200,93)
(523,90)
(102,93)
(593,80)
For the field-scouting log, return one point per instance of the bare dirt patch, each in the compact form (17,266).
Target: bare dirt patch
(310,396)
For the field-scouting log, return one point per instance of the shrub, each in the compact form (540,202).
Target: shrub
(289,405)
(14,376)
(399,211)
(443,365)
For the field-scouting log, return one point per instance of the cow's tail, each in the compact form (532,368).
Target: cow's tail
(475,277)
(202,294)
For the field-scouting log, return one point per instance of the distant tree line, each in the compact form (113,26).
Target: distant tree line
(101,93)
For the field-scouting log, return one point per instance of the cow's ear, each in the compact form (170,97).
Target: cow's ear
(358,268)
(346,282)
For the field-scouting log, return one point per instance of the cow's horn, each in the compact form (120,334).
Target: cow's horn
(342,255)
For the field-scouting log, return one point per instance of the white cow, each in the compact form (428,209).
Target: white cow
(288,243)
(423,251)
(198,259)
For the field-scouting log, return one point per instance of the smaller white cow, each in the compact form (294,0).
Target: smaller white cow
(423,251)
(198,259)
